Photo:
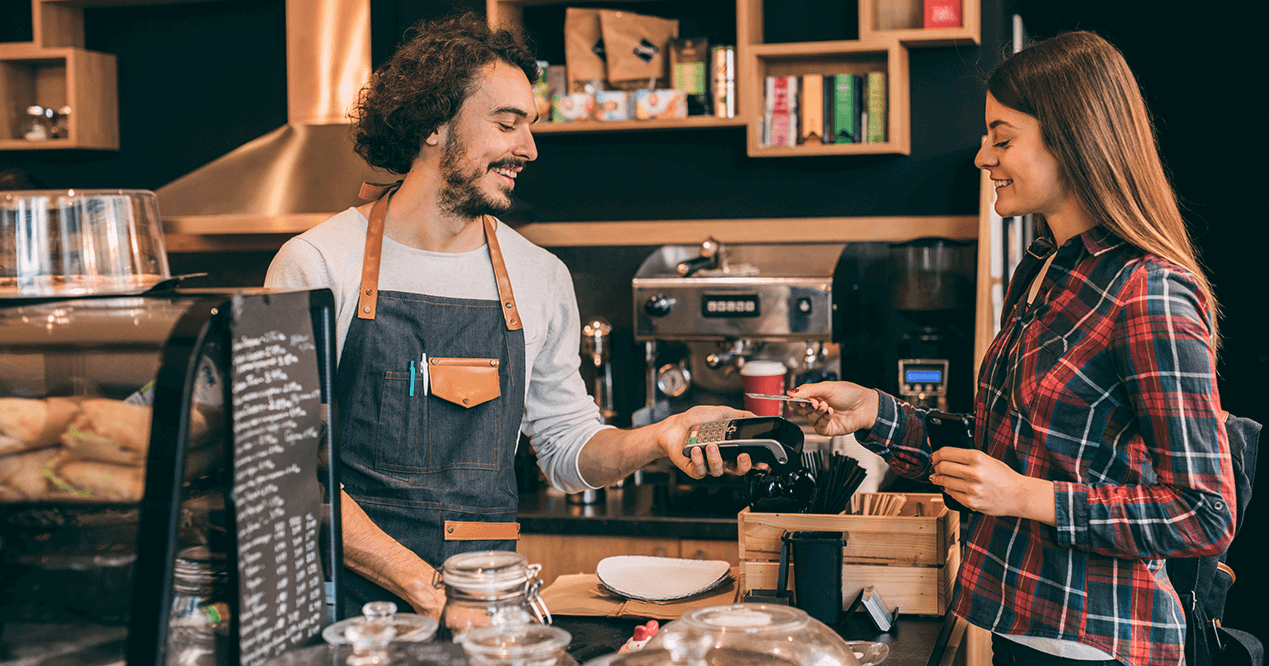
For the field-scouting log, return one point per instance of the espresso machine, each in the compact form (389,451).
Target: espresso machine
(705,311)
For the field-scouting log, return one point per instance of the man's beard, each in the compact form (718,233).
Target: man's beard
(461,196)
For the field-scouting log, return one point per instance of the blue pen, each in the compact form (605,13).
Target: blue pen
(411,379)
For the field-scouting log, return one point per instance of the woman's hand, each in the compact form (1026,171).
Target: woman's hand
(837,408)
(991,487)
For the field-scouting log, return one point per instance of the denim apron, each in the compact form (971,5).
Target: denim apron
(430,404)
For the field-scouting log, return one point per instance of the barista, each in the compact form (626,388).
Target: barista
(465,334)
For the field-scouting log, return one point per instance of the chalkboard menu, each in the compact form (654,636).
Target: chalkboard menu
(276,498)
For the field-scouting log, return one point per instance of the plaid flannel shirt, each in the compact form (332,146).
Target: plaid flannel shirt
(1107,387)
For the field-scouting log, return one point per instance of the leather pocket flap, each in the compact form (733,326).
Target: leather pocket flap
(466,382)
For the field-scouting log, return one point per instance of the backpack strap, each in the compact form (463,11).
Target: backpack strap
(1037,253)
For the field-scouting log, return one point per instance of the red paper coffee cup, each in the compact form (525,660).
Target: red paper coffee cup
(763,377)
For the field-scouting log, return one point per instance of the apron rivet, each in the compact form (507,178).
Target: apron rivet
(366,309)
(510,305)
(493,362)
(450,529)
(513,321)
(466,401)
(370,291)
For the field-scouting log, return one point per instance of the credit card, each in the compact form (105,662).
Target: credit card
(773,396)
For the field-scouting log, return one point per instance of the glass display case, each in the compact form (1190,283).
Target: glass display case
(163,492)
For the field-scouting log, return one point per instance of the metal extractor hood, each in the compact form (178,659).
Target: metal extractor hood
(297,175)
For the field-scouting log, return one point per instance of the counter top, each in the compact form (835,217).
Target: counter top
(704,511)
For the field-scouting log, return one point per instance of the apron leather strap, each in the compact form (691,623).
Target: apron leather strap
(368,296)
(508,299)
(456,530)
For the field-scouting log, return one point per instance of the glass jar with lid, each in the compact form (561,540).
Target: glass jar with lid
(490,588)
(406,627)
(517,645)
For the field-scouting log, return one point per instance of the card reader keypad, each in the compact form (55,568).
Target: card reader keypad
(705,433)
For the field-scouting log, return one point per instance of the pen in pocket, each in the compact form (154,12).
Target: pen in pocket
(426,375)
(411,379)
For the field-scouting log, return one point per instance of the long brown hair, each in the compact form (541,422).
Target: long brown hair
(1094,121)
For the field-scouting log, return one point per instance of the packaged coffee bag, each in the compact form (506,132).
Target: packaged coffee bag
(635,46)
(584,50)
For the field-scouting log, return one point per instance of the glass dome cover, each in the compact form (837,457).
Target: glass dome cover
(519,645)
(774,632)
(80,242)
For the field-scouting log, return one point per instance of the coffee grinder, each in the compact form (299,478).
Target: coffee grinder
(932,285)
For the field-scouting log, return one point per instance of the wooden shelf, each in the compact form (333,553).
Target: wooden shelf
(585,126)
(56,77)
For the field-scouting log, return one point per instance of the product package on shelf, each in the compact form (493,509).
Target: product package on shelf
(583,49)
(635,48)
(612,105)
(943,14)
(542,91)
(573,106)
(847,108)
(660,104)
(911,558)
(811,109)
(781,116)
(689,72)
(723,81)
(876,132)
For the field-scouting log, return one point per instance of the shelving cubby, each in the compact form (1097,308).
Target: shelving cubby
(842,57)
(53,70)
(53,78)
(902,20)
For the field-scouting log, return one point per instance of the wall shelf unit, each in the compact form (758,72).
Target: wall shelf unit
(54,71)
(887,30)
(54,78)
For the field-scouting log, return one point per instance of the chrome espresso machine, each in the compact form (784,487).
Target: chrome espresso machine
(705,311)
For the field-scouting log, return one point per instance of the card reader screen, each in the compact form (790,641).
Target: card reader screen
(922,376)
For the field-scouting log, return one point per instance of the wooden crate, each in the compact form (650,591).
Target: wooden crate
(911,559)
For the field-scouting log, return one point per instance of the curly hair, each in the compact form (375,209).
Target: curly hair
(424,84)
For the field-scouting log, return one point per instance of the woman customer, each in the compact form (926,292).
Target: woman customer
(1100,447)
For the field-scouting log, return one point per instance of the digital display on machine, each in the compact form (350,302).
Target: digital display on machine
(730,305)
(922,376)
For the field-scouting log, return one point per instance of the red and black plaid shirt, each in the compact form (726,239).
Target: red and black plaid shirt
(1107,387)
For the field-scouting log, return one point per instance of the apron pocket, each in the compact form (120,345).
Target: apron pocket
(399,420)
(466,382)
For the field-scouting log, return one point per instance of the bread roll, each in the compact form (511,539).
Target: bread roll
(27,424)
(110,431)
(22,477)
(104,481)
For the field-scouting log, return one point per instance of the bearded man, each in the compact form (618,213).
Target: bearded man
(455,333)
